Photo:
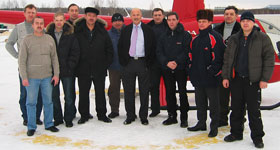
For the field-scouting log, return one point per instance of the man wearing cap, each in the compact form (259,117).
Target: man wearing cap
(248,65)
(136,49)
(96,54)
(229,27)
(206,60)
(115,67)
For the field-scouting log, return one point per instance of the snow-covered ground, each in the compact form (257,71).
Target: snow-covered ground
(116,136)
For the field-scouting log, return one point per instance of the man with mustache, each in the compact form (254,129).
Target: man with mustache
(39,69)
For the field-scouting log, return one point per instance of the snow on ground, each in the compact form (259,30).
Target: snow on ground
(116,136)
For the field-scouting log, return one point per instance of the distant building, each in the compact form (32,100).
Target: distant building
(275,7)
(219,8)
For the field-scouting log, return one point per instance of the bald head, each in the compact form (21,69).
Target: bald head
(136,16)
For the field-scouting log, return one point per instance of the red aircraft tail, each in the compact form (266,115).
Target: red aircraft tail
(186,9)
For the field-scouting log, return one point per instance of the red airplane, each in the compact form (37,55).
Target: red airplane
(187,18)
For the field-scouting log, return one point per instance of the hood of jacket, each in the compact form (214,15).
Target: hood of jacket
(67,28)
(81,22)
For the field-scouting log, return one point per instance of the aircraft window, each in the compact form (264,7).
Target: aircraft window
(269,28)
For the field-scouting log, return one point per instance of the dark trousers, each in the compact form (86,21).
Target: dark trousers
(170,80)
(201,99)
(136,68)
(114,90)
(224,94)
(68,84)
(155,75)
(84,83)
(243,92)
(22,102)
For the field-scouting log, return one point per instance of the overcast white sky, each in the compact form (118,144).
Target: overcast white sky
(165,4)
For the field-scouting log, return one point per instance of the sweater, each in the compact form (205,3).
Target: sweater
(38,58)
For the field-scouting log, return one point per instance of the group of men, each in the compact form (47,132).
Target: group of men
(230,55)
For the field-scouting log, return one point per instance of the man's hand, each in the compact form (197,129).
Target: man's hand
(172,65)
(25,82)
(263,84)
(226,83)
(55,80)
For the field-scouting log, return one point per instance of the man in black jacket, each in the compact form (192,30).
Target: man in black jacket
(68,52)
(248,66)
(73,11)
(172,50)
(229,27)
(206,57)
(159,26)
(136,49)
(95,57)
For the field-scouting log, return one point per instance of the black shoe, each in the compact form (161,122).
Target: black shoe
(221,124)
(259,144)
(144,121)
(128,121)
(213,133)
(105,119)
(198,127)
(113,115)
(39,122)
(57,123)
(24,122)
(30,132)
(52,129)
(153,114)
(82,121)
(231,138)
(68,124)
(90,116)
(170,120)
(184,124)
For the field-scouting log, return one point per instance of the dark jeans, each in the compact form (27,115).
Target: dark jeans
(201,99)
(170,80)
(114,90)
(22,102)
(68,84)
(84,83)
(244,93)
(155,75)
(136,68)
(224,94)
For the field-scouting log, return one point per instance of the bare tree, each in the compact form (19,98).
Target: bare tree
(152,5)
(113,4)
(97,4)
(59,4)
(15,4)
(23,3)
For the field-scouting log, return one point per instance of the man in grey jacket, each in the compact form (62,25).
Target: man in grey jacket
(248,65)
(38,67)
(17,35)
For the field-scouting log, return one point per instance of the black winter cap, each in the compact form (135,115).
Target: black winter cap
(247,15)
(117,17)
(92,10)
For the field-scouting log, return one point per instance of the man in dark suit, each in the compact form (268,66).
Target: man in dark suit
(136,49)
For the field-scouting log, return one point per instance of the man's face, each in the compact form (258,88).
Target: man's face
(30,14)
(172,22)
(158,17)
(136,16)
(203,24)
(230,16)
(59,22)
(247,25)
(117,24)
(73,12)
(38,25)
(90,18)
